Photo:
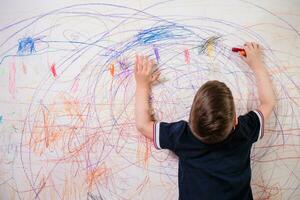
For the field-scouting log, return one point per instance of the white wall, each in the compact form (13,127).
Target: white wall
(70,134)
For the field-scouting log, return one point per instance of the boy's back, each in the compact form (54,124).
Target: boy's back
(214,145)
(212,171)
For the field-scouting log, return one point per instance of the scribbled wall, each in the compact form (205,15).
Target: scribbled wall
(67,92)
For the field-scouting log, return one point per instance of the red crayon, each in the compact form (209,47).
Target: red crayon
(241,51)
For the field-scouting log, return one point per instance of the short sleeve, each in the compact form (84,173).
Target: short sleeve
(252,125)
(167,135)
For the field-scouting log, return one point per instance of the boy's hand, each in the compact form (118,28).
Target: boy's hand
(253,52)
(143,71)
(264,84)
(144,76)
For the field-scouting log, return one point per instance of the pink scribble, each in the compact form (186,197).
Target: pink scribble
(187,56)
(75,86)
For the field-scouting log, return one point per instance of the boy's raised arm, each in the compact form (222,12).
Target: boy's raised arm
(263,81)
(144,79)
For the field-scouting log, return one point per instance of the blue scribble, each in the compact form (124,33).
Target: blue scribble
(154,35)
(162,32)
(26,46)
(1,119)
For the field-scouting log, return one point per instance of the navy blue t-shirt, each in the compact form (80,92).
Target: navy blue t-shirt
(212,171)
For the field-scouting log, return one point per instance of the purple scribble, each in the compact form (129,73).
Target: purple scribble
(156,54)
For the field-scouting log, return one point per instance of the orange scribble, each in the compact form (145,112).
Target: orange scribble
(70,188)
(94,175)
(143,152)
(72,107)
(46,127)
(48,133)
(43,132)
(112,70)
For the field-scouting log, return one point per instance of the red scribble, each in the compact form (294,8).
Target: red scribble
(53,70)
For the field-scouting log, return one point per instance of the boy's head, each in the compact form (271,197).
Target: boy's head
(212,114)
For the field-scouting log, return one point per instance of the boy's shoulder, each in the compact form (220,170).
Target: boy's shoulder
(177,136)
(251,125)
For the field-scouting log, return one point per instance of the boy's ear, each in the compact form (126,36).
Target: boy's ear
(236,121)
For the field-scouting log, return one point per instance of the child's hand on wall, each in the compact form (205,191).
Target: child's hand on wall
(143,71)
(253,58)
(263,81)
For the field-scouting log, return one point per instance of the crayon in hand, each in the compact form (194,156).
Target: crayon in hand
(242,52)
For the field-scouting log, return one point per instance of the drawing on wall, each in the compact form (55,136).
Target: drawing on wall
(67,128)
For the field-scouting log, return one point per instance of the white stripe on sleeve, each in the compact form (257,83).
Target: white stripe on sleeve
(157,125)
(261,122)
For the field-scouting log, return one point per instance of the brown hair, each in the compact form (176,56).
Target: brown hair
(212,113)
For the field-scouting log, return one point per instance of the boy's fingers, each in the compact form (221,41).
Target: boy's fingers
(257,46)
(155,76)
(136,63)
(244,58)
(143,63)
(146,63)
(246,49)
(249,45)
(151,65)
(254,45)
(141,60)
(242,53)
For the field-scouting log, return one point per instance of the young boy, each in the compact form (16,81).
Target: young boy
(214,145)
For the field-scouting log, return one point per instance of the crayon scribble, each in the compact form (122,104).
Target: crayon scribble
(160,33)
(157,57)
(187,56)
(53,70)
(70,132)
(26,46)
(207,46)
(12,79)
(112,70)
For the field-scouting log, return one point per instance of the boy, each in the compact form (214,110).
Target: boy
(214,145)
